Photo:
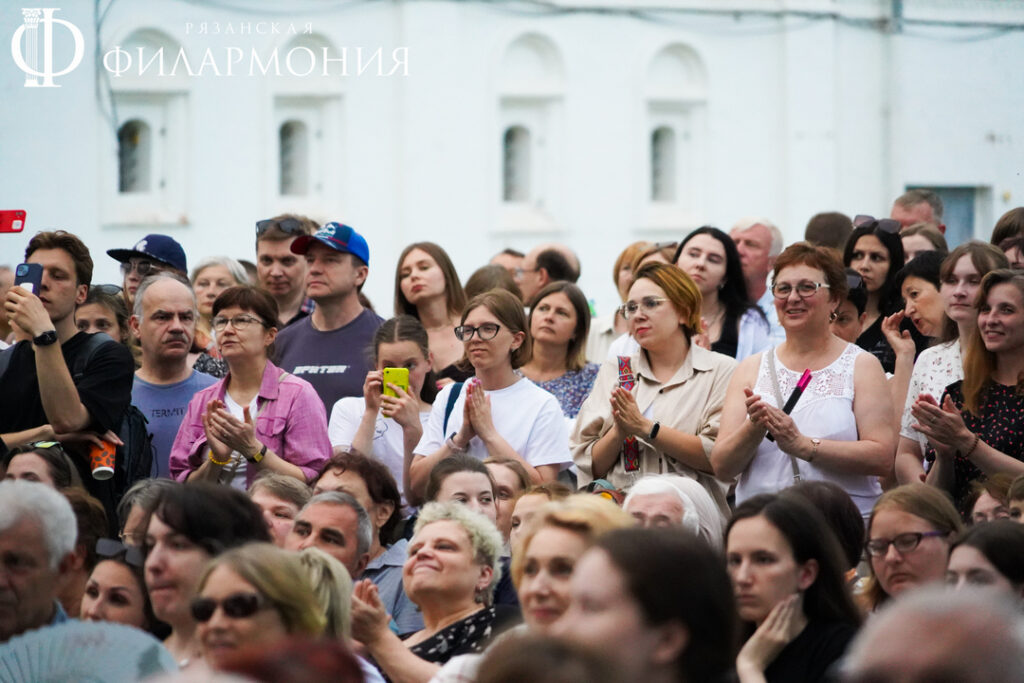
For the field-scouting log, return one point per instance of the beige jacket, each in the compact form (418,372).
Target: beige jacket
(691,402)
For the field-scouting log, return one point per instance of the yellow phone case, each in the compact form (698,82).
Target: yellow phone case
(397,376)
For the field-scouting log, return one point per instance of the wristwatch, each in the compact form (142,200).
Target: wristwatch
(257,457)
(45,339)
(654,431)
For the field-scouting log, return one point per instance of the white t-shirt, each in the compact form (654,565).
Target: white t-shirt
(234,474)
(525,415)
(388,443)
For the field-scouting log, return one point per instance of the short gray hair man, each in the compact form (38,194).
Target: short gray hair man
(37,537)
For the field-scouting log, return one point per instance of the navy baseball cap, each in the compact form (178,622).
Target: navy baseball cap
(160,248)
(338,237)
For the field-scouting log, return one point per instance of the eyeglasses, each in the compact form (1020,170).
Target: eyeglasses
(483,332)
(647,304)
(109,548)
(288,225)
(519,272)
(804,290)
(236,606)
(904,543)
(142,267)
(880,224)
(239,322)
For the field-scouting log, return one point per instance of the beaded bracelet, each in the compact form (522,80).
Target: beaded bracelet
(973,446)
(218,462)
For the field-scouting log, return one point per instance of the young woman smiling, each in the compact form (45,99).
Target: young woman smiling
(428,288)
(940,365)
(497,413)
(976,427)
(672,412)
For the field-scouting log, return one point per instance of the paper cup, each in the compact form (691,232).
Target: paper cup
(101,460)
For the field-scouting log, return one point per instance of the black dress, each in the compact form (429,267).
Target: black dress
(467,636)
(874,342)
(810,656)
(1000,425)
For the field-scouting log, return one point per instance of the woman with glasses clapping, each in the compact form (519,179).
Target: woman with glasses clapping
(257,418)
(842,428)
(497,413)
(659,412)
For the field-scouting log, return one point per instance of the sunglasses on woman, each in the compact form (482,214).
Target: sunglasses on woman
(235,606)
(110,549)
(879,224)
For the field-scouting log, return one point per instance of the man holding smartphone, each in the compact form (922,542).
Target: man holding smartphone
(58,384)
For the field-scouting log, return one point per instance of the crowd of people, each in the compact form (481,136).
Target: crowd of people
(761,466)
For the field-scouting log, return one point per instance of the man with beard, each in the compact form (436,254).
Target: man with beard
(164,320)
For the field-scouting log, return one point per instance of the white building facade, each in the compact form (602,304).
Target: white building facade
(481,125)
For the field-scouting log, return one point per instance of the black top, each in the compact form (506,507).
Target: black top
(874,342)
(811,654)
(104,387)
(1001,426)
(454,373)
(467,636)
(730,338)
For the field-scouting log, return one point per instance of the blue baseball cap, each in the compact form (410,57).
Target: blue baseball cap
(338,237)
(160,248)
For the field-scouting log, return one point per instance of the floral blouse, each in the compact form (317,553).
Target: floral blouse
(572,388)
(935,369)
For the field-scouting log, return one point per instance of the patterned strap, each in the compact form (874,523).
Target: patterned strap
(630,451)
(778,399)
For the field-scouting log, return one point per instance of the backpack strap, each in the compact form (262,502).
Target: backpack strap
(453,396)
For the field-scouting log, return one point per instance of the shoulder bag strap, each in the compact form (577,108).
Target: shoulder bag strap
(778,399)
(453,396)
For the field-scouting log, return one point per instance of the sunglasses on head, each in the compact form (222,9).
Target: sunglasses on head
(288,225)
(110,548)
(879,224)
(107,289)
(235,606)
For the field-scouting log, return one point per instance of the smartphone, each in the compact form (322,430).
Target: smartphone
(12,220)
(397,376)
(29,276)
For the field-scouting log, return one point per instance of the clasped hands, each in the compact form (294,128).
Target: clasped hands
(225,433)
(781,426)
(628,419)
(477,419)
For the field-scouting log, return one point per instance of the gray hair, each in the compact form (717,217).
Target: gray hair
(484,537)
(143,493)
(162,275)
(988,629)
(236,269)
(914,197)
(778,241)
(700,514)
(45,506)
(364,530)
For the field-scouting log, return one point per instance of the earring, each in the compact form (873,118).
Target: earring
(832,316)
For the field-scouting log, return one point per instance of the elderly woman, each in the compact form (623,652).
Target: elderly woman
(668,500)
(451,571)
(668,420)
(209,279)
(559,323)
(258,417)
(909,536)
(841,430)
(254,595)
(939,366)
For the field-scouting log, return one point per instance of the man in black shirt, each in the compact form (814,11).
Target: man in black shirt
(59,383)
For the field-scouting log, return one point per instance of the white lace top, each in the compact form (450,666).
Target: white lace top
(825,411)
(935,369)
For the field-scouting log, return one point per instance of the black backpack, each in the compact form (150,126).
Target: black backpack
(134,460)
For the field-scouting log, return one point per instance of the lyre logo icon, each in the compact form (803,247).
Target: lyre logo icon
(27,36)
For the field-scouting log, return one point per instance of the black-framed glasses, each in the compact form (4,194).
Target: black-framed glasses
(484,332)
(143,267)
(647,304)
(239,322)
(110,548)
(904,543)
(114,290)
(804,289)
(888,225)
(235,606)
(288,225)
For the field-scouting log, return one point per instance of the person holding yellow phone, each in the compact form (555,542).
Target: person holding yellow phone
(387,422)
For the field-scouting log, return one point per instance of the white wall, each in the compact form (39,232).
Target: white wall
(800,113)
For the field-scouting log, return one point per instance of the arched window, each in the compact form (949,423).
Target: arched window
(133,157)
(663,165)
(294,158)
(516,174)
